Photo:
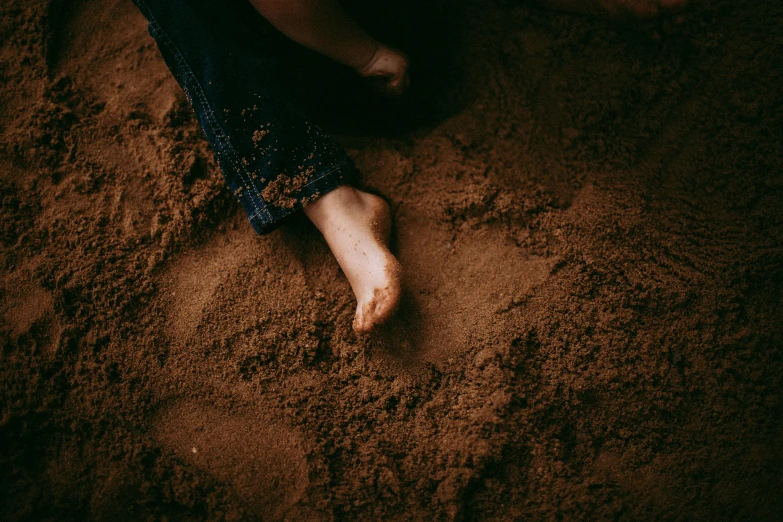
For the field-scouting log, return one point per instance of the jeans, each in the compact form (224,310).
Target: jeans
(228,60)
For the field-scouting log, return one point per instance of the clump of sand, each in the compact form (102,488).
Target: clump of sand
(589,222)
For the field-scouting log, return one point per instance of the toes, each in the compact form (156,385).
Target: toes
(376,311)
(358,324)
(365,320)
(383,307)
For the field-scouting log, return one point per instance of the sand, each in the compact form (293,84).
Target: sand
(592,328)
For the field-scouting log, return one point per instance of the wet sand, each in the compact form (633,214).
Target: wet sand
(592,327)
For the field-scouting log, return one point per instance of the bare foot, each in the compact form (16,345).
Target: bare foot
(356,225)
(619,9)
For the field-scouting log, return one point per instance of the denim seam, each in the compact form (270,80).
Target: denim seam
(319,178)
(221,137)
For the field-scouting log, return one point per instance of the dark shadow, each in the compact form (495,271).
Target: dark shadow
(59,13)
(396,339)
(337,99)
(305,240)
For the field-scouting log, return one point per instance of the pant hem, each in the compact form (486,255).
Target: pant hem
(322,183)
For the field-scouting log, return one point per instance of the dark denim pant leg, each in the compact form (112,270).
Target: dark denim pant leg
(226,58)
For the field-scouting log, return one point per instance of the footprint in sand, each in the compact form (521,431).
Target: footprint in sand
(459,289)
(28,311)
(263,462)
(85,32)
(190,284)
(220,289)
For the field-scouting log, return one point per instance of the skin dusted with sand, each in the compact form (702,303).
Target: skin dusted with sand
(357,225)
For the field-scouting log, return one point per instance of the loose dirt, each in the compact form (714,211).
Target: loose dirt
(592,328)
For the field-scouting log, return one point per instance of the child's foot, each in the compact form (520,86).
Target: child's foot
(356,225)
(619,9)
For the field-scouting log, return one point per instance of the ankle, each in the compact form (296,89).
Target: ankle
(330,206)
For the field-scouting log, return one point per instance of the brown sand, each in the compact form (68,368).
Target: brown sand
(593,318)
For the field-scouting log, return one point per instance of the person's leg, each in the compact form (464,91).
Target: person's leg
(274,161)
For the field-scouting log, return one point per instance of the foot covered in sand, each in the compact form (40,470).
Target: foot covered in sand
(356,225)
(619,9)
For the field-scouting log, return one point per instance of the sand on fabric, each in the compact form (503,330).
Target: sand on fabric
(591,229)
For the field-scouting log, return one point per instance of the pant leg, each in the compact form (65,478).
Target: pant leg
(226,58)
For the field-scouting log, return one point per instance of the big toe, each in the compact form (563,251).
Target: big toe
(362,321)
(366,317)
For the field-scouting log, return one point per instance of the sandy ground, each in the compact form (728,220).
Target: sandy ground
(591,225)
